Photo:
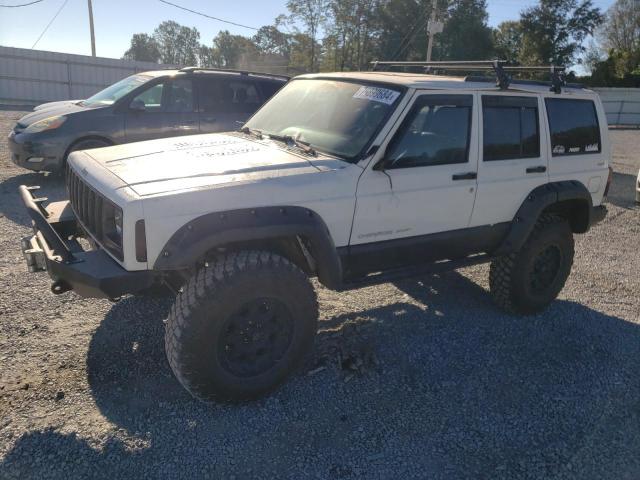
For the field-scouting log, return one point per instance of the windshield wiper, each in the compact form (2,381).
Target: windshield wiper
(252,131)
(302,145)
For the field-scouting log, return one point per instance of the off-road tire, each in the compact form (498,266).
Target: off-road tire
(199,320)
(510,276)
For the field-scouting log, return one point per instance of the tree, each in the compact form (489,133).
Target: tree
(234,51)
(466,35)
(554,31)
(621,29)
(178,45)
(312,14)
(143,49)
(271,41)
(620,36)
(507,40)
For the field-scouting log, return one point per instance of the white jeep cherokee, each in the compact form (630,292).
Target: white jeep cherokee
(355,178)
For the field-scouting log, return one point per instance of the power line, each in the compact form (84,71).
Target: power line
(49,24)
(22,4)
(208,16)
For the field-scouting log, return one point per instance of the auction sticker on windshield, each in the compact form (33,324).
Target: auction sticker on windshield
(377,94)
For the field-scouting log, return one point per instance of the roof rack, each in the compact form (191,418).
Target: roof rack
(502,68)
(228,70)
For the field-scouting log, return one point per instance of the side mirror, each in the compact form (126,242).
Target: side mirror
(137,105)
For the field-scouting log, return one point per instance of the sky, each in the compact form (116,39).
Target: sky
(117,20)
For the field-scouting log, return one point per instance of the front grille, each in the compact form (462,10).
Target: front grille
(87,204)
(19,127)
(95,213)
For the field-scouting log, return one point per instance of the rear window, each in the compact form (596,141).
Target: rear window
(573,125)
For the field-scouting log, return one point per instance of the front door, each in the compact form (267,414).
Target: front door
(166,109)
(427,185)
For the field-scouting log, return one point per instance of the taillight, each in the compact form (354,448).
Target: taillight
(609,180)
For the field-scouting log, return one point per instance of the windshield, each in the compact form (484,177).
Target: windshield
(116,91)
(336,117)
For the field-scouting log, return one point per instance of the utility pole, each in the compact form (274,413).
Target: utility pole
(433,27)
(93,36)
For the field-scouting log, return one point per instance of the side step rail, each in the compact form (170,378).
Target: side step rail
(415,271)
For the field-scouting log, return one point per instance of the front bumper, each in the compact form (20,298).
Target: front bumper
(29,152)
(52,247)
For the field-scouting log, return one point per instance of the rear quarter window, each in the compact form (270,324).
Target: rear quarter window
(573,125)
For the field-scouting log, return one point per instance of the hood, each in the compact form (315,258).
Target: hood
(55,104)
(44,111)
(200,161)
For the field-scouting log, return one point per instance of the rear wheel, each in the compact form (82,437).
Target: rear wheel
(527,281)
(240,326)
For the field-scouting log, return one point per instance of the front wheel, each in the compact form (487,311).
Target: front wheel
(240,326)
(527,281)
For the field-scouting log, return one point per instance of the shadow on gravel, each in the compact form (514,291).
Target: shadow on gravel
(460,390)
(11,207)
(623,192)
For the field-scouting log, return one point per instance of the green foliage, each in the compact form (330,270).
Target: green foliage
(466,35)
(143,49)
(554,31)
(177,44)
(507,40)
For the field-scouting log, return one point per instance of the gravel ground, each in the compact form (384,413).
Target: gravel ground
(419,379)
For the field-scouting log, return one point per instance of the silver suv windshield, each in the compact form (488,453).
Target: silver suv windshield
(116,91)
(332,116)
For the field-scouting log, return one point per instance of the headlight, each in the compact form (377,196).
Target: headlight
(112,225)
(50,123)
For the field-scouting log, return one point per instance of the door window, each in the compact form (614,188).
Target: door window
(435,132)
(510,127)
(574,126)
(151,98)
(179,96)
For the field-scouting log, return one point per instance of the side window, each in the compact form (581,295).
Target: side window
(574,127)
(510,127)
(222,96)
(179,96)
(151,98)
(210,95)
(242,97)
(270,88)
(435,132)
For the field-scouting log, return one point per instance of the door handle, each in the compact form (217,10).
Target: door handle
(465,176)
(540,169)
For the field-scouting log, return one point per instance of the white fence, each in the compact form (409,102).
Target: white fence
(622,105)
(29,77)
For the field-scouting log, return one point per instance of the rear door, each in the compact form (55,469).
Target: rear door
(169,110)
(226,103)
(513,155)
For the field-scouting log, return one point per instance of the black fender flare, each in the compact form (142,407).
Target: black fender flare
(537,201)
(194,239)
